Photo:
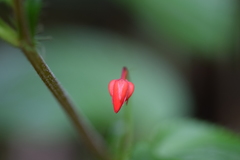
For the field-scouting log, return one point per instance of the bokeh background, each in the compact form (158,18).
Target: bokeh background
(183,57)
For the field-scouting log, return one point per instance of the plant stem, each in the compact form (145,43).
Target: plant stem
(125,141)
(89,135)
(21,22)
(127,138)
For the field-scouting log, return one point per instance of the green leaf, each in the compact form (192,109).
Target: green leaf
(142,151)
(196,141)
(33,9)
(8,2)
(8,34)
(204,25)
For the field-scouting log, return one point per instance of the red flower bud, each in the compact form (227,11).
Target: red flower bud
(120,90)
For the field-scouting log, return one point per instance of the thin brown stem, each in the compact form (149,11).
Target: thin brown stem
(21,22)
(89,135)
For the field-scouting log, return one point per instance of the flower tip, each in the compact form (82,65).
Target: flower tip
(116,111)
(117,107)
(125,68)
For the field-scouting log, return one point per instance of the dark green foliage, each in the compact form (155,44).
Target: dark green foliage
(190,140)
(32,9)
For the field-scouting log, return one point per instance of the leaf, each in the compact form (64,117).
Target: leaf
(188,139)
(204,25)
(8,34)
(33,9)
(8,2)
(142,151)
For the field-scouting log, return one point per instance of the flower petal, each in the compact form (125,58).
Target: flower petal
(110,86)
(120,90)
(130,89)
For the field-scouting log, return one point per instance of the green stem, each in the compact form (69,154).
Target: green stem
(126,139)
(128,134)
(89,135)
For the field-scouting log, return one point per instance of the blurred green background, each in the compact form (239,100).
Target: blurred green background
(183,57)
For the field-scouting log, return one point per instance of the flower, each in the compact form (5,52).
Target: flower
(120,90)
